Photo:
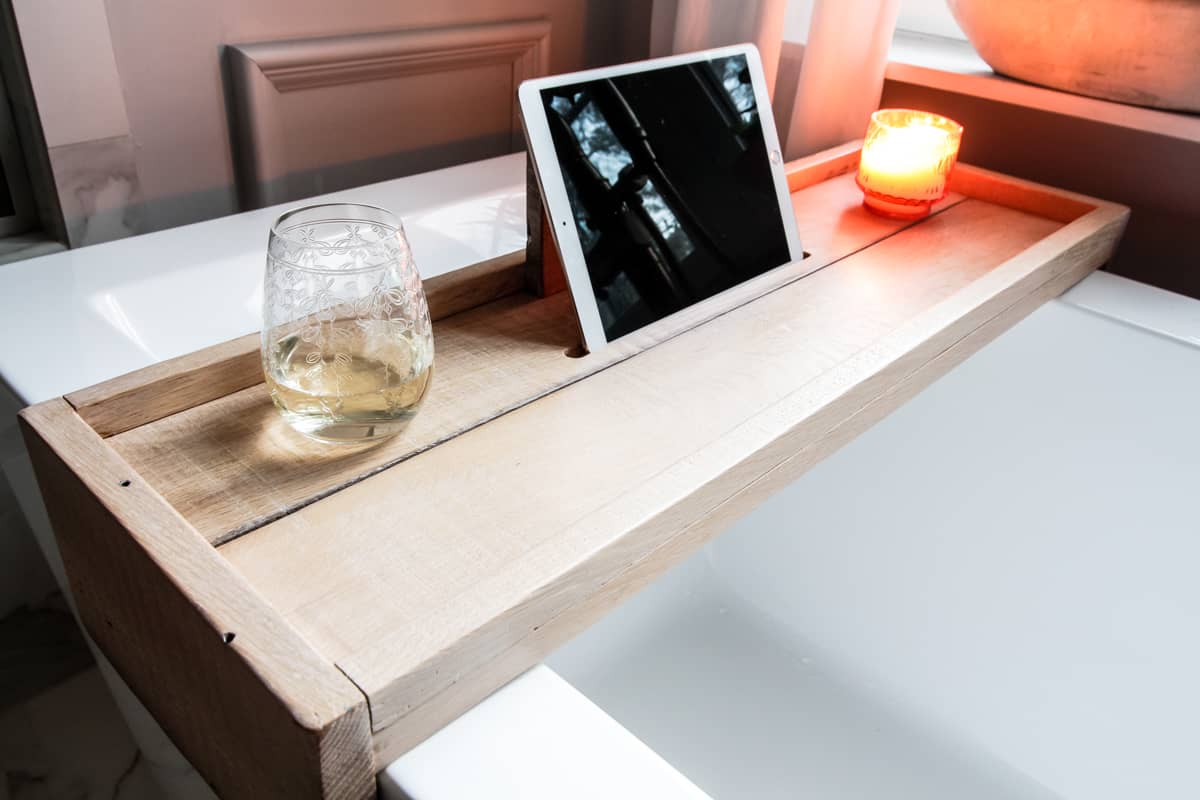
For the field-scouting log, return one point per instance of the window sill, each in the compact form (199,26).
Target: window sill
(27,245)
(952,65)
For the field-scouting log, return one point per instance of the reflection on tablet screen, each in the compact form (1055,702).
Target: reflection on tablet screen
(670,185)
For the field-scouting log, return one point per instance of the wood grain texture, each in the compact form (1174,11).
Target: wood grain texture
(253,706)
(475,684)
(823,165)
(470,287)
(231,465)
(167,387)
(1004,190)
(568,494)
(178,384)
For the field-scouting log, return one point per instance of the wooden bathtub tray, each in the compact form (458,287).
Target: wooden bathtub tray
(297,615)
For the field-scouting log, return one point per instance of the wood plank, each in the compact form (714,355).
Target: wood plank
(822,166)
(253,706)
(833,223)
(475,684)
(167,387)
(518,522)
(473,286)
(231,465)
(177,384)
(1004,190)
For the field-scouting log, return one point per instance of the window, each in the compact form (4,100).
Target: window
(16,198)
(931,17)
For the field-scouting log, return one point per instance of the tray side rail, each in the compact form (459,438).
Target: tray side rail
(253,706)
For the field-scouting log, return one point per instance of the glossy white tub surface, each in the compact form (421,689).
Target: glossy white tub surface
(991,594)
(536,737)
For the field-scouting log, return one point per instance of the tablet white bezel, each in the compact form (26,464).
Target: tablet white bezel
(562,220)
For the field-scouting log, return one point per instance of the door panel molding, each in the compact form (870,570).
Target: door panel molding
(259,73)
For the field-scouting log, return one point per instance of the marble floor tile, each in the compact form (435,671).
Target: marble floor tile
(69,743)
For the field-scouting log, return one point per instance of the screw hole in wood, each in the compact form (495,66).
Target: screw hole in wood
(126,482)
(228,637)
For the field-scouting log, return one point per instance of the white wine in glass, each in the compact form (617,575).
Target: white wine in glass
(347,343)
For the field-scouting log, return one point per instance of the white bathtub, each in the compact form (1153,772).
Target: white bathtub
(995,593)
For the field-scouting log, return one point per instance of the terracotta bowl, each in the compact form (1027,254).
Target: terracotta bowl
(1144,52)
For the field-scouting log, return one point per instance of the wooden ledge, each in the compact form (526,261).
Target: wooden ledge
(533,491)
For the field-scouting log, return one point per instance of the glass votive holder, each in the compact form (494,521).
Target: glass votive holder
(906,161)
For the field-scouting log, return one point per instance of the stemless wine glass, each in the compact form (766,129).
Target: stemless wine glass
(347,346)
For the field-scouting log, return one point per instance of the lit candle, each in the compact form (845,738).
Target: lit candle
(906,160)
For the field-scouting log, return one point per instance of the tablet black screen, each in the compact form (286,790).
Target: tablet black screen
(670,184)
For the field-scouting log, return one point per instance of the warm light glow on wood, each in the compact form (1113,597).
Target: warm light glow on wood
(906,160)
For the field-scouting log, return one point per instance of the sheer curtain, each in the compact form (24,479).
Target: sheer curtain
(681,26)
(841,74)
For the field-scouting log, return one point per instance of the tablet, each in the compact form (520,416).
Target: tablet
(664,186)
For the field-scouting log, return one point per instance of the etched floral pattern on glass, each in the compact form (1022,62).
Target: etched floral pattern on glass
(347,342)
